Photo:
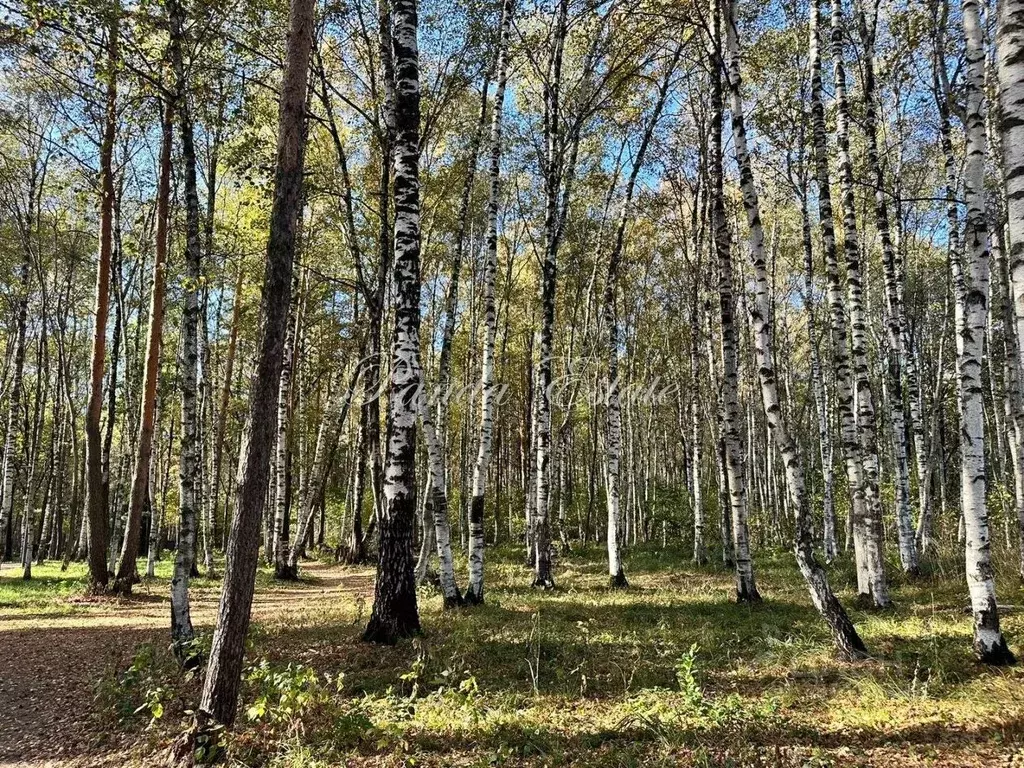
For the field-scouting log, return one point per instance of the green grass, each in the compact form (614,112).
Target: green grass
(669,672)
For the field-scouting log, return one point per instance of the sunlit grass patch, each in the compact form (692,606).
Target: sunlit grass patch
(669,672)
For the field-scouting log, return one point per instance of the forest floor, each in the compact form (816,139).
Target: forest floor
(668,672)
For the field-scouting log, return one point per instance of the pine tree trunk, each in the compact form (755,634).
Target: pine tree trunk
(224,671)
(395,614)
(989,644)
(127,572)
(95,498)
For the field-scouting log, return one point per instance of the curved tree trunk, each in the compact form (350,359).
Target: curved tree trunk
(848,642)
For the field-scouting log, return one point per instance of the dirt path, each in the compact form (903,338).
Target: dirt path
(49,665)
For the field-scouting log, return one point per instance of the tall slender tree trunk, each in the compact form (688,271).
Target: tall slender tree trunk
(826,449)
(127,572)
(847,641)
(475,588)
(224,671)
(225,403)
(867,18)
(323,458)
(282,461)
(395,614)
(732,421)
(95,497)
(867,526)
(989,644)
(14,441)
(1009,47)
(436,507)
(953,250)
(189,506)
(553,176)
(613,442)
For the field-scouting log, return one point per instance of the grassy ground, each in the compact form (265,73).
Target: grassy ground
(669,672)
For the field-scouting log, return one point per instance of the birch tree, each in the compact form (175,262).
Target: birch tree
(989,644)
(613,440)
(1009,43)
(475,589)
(732,413)
(395,614)
(867,526)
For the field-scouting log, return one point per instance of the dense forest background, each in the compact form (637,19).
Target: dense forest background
(627,273)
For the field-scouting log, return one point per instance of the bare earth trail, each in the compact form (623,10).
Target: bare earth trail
(49,664)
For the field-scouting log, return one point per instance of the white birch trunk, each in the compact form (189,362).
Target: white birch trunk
(732,422)
(847,641)
(1009,44)
(871,582)
(989,644)
(395,613)
(437,504)
(475,588)
(895,322)
(279,539)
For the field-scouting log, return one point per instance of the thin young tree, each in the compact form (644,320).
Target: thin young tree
(613,440)
(95,496)
(552,172)
(732,413)
(475,589)
(1009,44)
(189,506)
(892,271)
(127,572)
(872,586)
